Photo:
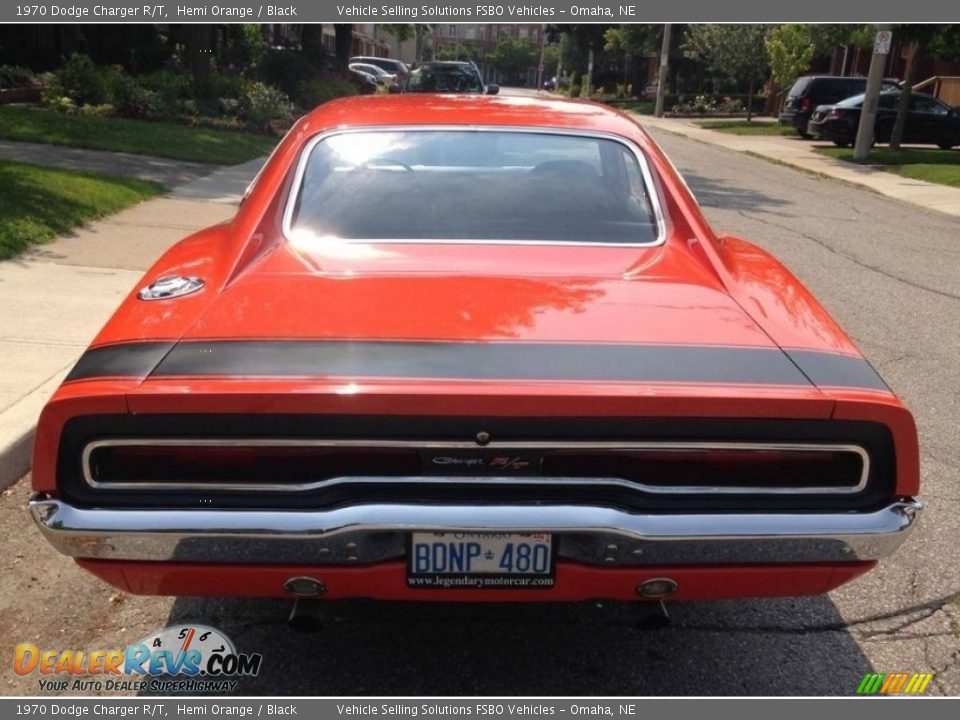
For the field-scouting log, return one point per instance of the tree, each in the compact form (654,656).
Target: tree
(921,39)
(737,52)
(343,43)
(587,40)
(625,42)
(459,52)
(790,50)
(311,39)
(405,31)
(511,57)
(199,41)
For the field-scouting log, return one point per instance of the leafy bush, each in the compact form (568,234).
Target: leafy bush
(731,105)
(60,104)
(287,70)
(246,46)
(700,104)
(83,82)
(105,110)
(127,97)
(704,104)
(220,99)
(209,89)
(170,89)
(575,90)
(584,85)
(261,105)
(14,76)
(312,93)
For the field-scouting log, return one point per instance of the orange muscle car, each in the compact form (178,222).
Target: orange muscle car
(477,349)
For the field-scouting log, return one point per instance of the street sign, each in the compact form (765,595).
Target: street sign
(881,43)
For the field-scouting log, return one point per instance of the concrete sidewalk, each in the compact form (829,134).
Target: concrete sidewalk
(169,173)
(56,297)
(799,153)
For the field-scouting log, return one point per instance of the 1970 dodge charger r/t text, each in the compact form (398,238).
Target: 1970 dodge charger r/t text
(473,348)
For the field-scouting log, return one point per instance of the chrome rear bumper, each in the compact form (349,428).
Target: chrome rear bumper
(378,532)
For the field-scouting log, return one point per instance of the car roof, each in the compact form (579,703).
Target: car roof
(474,110)
(444,63)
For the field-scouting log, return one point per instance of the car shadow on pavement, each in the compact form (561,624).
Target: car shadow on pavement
(721,194)
(795,646)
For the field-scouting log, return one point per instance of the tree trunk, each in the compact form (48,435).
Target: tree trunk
(344,43)
(903,106)
(311,38)
(749,101)
(199,49)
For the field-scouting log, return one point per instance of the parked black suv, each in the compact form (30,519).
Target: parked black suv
(812,90)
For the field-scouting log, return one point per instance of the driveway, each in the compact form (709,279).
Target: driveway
(889,272)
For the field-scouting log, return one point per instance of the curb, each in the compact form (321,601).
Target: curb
(18,428)
(15,458)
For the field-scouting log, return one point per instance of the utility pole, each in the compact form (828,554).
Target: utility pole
(662,81)
(543,51)
(588,90)
(556,86)
(871,98)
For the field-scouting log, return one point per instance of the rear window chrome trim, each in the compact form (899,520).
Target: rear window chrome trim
(91,447)
(650,186)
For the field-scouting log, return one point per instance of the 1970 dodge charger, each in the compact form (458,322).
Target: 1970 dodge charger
(477,349)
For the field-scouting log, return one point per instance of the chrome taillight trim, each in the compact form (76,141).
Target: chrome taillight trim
(669,446)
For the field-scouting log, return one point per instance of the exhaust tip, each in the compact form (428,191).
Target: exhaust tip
(304,586)
(657,588)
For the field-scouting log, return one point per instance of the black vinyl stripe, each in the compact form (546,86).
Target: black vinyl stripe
(830,369)
(136,360)
(477,361)
(481,361)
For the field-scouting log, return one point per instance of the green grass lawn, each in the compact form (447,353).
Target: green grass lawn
(140,137)
(930,164)
(742,127)
(37,204)
(641,107)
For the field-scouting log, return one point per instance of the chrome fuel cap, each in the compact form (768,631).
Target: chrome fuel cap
(170,286)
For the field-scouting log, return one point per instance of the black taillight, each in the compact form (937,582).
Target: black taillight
(265,464)
(753,468)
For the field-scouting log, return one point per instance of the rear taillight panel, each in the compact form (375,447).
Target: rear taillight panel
(642,464)
(282,465)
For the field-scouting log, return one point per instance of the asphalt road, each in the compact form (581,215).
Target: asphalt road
(889,272)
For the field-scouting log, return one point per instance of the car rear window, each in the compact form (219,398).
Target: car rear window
(473,185)
(799,86)
(886,99)
(445,79)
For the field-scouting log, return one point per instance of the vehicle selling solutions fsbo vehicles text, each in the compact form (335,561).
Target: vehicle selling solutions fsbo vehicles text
(416,11)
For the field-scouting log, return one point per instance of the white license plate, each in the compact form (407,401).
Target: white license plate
(451,560)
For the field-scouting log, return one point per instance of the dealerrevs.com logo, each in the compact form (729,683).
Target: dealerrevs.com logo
(180,658)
